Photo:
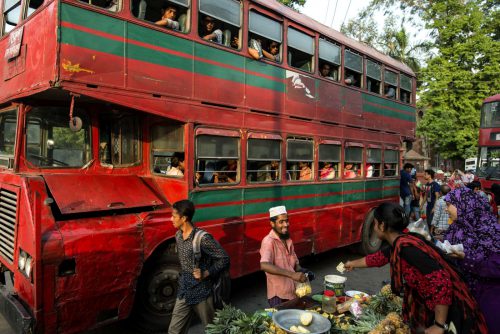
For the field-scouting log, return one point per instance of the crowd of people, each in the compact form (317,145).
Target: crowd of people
(442,292)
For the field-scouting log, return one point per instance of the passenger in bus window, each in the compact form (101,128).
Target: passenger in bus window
(349,172)
(350,80)
(327,172)
(389,91)
(326,71)
(209,30)
(235,43)
(228,174)
(369,170)
(168,17)
(257,52)
(305,171)
(269,172)
(177,165)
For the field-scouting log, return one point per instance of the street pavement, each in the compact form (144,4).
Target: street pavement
(249,292)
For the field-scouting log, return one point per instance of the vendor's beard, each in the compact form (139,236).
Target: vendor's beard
(283,236)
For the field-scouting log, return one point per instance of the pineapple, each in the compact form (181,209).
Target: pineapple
(386,290)
(395,319)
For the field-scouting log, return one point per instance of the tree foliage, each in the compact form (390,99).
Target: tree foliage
(461,69)
(295,4)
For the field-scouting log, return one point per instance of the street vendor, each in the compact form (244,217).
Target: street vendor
(278,259)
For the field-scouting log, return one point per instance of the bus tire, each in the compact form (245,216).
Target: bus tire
(156,293)
(369,241)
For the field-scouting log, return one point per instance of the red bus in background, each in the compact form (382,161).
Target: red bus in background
(488,162)
(98,105)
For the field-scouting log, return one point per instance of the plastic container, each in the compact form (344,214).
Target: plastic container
(329,302)
(335,283)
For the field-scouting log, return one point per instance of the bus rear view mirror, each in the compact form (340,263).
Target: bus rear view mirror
(75,124)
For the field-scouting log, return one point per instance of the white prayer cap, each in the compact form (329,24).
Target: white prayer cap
(276,211)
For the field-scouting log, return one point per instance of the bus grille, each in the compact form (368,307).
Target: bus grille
(8,214)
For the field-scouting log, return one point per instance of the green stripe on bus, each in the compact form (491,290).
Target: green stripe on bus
(387,112)
(83,39)
(92,20)
(387,103)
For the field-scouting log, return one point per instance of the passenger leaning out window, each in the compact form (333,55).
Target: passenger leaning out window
(168,17)
(210,30)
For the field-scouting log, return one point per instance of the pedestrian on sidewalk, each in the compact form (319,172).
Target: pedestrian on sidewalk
(195,287)
(405,184)
(278,259)
(431,194)
(435,297)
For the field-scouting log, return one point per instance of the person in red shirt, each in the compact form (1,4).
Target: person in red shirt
(278,259)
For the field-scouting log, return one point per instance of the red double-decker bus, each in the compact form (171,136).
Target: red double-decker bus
(488,162)
(107,116)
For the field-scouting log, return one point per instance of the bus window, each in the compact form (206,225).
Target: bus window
(299,156)
(50,141)
(406,88)
(119,139)
(220,22)
(8,125)
(390,84)
(11,14)
(353,69)
(373,162)
(391,159)
(170,14)
(300,50)
(353,162)
(490,115)
(329,60)
(217,160)
(168,149)
(111,5)
(263,160)
(33,5)
(265,37)
(329,161)
(373,76)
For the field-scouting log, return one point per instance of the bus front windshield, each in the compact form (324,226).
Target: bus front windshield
(489,163)
(490,115)
(50,143)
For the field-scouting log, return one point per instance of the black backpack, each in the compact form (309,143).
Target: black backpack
(221,284)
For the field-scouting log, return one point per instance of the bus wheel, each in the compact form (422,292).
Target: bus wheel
(156,294)
(369,241)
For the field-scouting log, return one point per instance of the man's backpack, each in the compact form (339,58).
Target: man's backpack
(221,284)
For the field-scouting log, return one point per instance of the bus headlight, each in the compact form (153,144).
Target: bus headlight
(27,268)
(22,259)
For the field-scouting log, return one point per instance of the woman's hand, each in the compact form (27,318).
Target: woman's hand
(457,255)
(349,266)
(434,330)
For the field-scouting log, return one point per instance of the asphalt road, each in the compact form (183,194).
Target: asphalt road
(249,292)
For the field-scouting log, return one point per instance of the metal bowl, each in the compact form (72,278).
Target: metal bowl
(288,318)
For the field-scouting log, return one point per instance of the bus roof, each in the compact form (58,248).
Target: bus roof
(335,35)
(492,98)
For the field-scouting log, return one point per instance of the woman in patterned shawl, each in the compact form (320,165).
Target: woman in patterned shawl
(434,295)
(477,229)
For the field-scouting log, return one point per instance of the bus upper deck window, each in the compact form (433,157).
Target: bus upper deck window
(111,5)
(300,50)
(8,126)
(11,14)
(168,149)
(353,71)
(265,37)
(51,143)
(33,5)
(390,84)
(170,14)
(299,159)
(217,160)
(263,160)
(373,76)
(405,89)
(220,22)
(329,60)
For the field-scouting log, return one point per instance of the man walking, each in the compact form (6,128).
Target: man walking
(431,194)
(405,183)
(195,287)
(278,259)
(440,218)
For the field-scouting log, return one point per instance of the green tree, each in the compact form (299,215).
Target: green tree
(461,69)
(295,4)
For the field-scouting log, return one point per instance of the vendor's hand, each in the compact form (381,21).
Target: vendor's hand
(299,277)
(197,274)
(457,255)
(348,266)
(434,330)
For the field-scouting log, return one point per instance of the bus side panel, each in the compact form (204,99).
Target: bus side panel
(265,86)
(108,256)
(328,229)
(219,76)
(300,95)
(33,69)
(328,105)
